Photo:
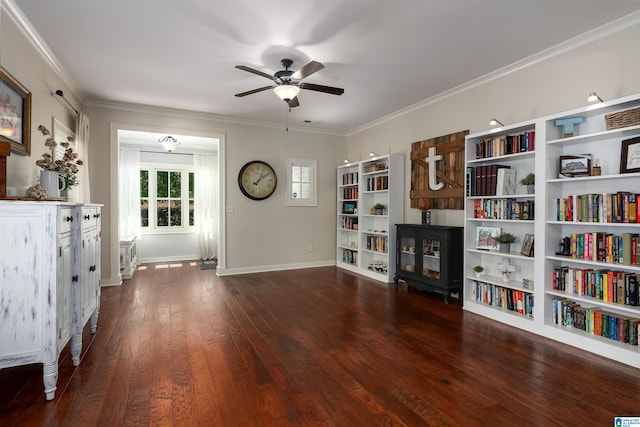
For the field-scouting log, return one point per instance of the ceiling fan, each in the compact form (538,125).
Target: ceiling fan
(288,83)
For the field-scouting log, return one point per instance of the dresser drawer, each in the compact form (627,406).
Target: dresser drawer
(90,217)
(65,219)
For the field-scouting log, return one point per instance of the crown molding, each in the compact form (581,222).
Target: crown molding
(38,43)
(583,39)
(199,115)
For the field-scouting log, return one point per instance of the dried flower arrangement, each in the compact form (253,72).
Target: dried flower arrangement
(67,167)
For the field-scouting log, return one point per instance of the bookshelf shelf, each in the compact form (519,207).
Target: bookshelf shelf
(378,180)
(604,144)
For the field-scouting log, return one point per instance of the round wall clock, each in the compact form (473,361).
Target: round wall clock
(257,180)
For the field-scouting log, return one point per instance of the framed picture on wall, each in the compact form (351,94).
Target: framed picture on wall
(15,114)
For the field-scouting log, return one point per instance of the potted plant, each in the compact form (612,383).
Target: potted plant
(379,207)
(529,181)
(478,269)
(505,240)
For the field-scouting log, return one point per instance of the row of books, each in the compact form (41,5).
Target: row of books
(378,183)
(594,321)
(620,287)
(606,247)
(377,243)
(349,256)
(349,222)
(503,145)
(504,209)
(483,180)
(506,298)
(620,207)
(350,193)
(350,178)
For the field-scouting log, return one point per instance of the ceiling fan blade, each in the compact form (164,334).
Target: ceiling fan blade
(293,102)
(254,71)
(307,70)
(321,88)
(249,92)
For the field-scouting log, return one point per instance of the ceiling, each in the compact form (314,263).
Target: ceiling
(386,55)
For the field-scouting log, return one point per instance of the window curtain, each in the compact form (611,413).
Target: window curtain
(206,200)
(82,147)
(129,193)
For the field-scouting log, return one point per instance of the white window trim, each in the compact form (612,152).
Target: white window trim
(311,163)
(185,170)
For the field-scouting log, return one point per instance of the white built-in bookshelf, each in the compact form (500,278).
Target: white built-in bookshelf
(583,272)
(366,236)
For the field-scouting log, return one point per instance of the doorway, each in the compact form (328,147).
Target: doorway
(163,245)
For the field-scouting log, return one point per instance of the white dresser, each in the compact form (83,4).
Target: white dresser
(49,282)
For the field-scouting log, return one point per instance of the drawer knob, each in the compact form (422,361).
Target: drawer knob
(87,217)
(68,219)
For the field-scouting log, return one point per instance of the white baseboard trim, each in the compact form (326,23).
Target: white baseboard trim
(265,268)
(111,281)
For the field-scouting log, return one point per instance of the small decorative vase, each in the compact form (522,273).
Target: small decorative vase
(52,182)
(505,276)
(531,189)
(505,248)
(426,217)
(478,274)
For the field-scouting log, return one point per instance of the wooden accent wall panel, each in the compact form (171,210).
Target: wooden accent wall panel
(449,170)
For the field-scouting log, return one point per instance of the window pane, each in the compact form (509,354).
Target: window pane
(305,191)
(176,213)
(162,186)
(191,213)
(175,184)
(295,173)
(191,184)
(144,183)
(295,190)
(306,174)
(162,213)
(144,213)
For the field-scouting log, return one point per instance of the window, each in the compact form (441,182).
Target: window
(301,182)
(166,197)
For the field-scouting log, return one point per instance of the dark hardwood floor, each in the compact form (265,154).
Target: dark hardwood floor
(317,347)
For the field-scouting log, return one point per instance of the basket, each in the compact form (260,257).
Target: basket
(623,119)
(375,167)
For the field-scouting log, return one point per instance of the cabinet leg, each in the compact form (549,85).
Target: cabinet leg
(93,321)
(76,348)
(50,378)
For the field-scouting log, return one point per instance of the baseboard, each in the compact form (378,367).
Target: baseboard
(267,268)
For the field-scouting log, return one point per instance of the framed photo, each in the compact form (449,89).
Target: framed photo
(630,156)
(15,114)
(573,166)
(527,245)
(348,208)
(485,237)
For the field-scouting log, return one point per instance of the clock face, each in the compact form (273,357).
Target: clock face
(257,180)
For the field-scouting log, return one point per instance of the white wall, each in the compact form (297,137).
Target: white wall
(260,235)
(22,61)
(608,65)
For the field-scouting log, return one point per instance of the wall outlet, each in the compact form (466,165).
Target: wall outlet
(309,248)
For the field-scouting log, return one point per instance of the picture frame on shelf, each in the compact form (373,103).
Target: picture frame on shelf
(575,166)
(15,114)
(506,182)
(349,208)
(527,245)
(630,155)
(485,237)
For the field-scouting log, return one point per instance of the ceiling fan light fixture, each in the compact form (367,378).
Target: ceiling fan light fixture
(169,143)
(286,92)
